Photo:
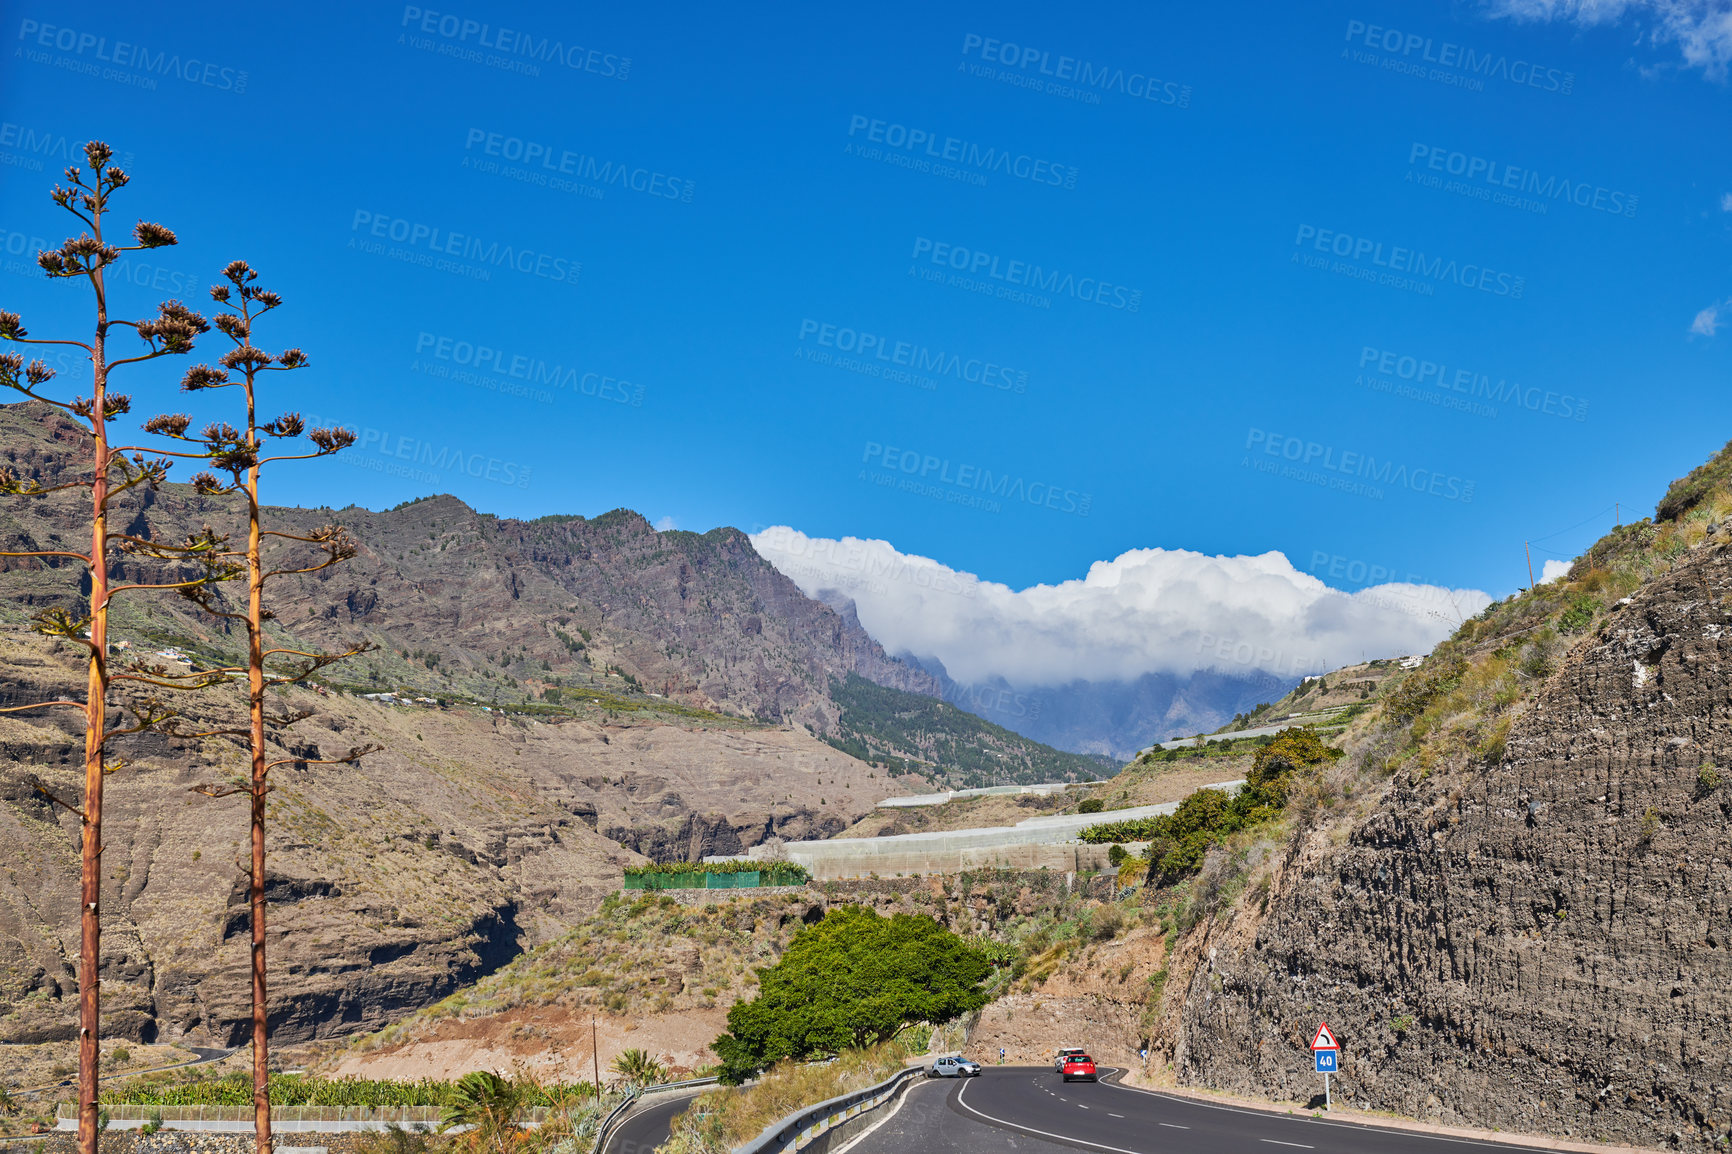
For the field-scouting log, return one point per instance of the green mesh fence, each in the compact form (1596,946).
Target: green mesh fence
(710,880)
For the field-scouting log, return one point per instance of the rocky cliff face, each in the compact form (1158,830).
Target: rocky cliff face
(1543,943)
(470,838)
(473,835)
(460,601)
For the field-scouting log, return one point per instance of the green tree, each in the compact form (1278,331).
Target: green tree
(638,1068)
(491,1105)
(1293,752)
(853,979)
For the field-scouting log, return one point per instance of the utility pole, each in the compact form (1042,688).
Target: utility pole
(1617,515)
(1529,554)
(595,1058)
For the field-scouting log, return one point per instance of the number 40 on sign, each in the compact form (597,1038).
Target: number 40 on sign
(1325,1052)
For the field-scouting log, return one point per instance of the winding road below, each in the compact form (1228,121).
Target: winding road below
(650,1125)
(1031,1111)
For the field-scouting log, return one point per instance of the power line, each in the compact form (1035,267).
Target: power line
(1612,508)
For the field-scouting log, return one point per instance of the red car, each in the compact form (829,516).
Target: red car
(1079,1066)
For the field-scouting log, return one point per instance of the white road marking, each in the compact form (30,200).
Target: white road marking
(1041,1133)
(1278,1142)
(1174,1126)
(1483,1143)
(1110,1114)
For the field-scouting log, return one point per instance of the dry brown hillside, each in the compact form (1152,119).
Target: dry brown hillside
(470,837)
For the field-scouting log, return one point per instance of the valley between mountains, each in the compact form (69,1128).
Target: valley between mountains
(1503,873)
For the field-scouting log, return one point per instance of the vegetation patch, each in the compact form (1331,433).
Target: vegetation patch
(852,981)
(910,733)
(701,875)
(718,1122)
(1178,841)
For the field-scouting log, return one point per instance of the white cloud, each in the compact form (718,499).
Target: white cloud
(1145,611)
(1707,322)
(1702,29)
(1726,202)
(1553,570)
(665,524)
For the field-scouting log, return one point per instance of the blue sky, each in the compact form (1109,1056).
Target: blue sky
(1176,351)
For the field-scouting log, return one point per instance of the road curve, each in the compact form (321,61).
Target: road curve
(1030,1110)
(201,1056)
(648,1126)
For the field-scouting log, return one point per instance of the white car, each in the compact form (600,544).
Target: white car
(954,1068)
(1068,1051)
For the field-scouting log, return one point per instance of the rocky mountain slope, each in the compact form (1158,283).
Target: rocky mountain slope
(472,836)
(594,617)
(1513,901)
(552,698)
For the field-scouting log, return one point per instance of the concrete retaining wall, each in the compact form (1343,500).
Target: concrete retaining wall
(1046,842)
(920,799)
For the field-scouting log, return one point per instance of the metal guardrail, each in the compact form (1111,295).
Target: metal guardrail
(796,1130)
(603,1131)
(617,1114)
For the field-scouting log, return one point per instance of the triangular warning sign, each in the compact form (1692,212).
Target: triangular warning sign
(1324,1039)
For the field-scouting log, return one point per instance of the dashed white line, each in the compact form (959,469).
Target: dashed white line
(1278,1142)
(1110,1114)
(963,1090)
(1174,1126)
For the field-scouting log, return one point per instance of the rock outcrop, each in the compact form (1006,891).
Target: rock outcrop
(1543,943)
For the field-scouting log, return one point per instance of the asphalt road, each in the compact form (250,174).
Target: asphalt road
(1031,1111)
(202,1055)
(649,1126)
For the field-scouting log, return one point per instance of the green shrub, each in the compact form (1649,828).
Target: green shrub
(1092,805)
(852,980)
(1179,842)
(1579,615)
(1424,685)
(1116,855)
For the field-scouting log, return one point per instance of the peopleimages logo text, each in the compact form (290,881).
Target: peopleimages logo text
(952,150)
(397,447)
(509,42)
(1071,70)
(1515,180)
(1362,467)
(855,563)
(916,357)
(485,361)
(441,242)
(1473,384)
(555,161)
(1409,261)
(34,146)
(931,470)
(123,54)
(1025,274)
(1416,50)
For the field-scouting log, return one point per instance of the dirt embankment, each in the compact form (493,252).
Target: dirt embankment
(1096,998)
